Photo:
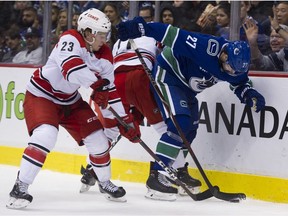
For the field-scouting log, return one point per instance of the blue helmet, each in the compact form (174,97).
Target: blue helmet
(238,56)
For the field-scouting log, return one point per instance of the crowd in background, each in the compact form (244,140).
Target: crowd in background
(21,25)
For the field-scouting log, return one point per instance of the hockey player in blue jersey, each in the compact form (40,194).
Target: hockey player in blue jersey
(190,63)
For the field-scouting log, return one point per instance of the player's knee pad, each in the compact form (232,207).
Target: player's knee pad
(111,133)
(44,137)
(98,147)
(96,142)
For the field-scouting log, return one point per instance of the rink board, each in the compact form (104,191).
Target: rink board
(241,151)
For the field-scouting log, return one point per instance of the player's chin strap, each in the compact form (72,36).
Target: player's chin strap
(213,190)
(169,171)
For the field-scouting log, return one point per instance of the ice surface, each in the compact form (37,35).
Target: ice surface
(58,194)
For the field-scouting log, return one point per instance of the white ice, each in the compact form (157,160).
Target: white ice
(58,194)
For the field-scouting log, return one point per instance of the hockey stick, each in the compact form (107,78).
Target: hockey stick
(169,171)
(214,190)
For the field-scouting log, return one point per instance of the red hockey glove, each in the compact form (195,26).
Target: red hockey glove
(100,92)
(133,133)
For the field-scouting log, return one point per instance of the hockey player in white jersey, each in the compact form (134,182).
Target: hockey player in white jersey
(80,58)
(133,86)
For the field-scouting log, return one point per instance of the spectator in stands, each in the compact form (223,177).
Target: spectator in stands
(54,17)
(62,24)
(223,20)
(112,12)
(277,26)
(277,42)
(168,15)
(29,19)
(276,61)
(14,43)
(75,19)
(282,12)
(147,12)
(17,11)
(33,51)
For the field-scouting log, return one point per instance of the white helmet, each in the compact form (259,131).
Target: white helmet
(94,19)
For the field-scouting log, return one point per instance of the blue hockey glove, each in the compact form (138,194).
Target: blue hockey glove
(250,97)
(132,29)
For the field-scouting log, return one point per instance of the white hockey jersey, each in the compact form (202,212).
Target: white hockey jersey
(124,54)
(70,66)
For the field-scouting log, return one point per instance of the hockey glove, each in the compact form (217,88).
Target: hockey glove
(100,92)
(132,29)
(250,97)
(133,132)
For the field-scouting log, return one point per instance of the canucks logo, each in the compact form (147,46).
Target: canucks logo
(213,47)
(199,84)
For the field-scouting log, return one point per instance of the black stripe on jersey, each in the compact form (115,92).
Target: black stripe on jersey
(39,147)
(32,161)
(117,100)
(112,89)
(67,59)
(75,69)
(100,165)
(51,95)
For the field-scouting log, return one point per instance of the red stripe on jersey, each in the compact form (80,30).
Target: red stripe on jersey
(46,87)
(35,154)
(132,56)
(113,94)
(70,65)
(124,57)
(100,160)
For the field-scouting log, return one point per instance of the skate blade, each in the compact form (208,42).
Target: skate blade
(84,188)
(113,199)
(193,190)
(156,195)
(15,203)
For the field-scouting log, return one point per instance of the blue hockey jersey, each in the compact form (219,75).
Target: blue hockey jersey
(193,57)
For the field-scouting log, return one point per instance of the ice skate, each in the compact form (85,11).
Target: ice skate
(191,183)
(159,188)
(88,179)
(19,196)
(112,192)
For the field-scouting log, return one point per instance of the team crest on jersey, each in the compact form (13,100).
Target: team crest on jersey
(213,47)
(183,103)
(198,85)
